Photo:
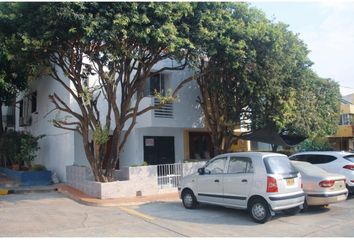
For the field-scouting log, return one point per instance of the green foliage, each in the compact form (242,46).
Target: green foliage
(101,136)
(164,98)
(256,73)
(117,44)
(316,144)
(28,148)
(19,147)
(10,143)
(38,167)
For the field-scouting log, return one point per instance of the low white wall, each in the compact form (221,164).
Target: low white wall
(132,181)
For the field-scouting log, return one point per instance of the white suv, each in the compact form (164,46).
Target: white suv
(331,161)
(260,182)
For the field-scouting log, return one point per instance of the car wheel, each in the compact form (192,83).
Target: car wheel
(259,210)
(292,211)
(189,200)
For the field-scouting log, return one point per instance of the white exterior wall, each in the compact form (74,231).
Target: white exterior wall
(133,153)
(57,147)
(186,111)
(61,147)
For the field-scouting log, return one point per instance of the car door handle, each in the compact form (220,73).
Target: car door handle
(244,180)
(216,180)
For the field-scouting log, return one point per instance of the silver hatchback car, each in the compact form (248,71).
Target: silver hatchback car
(262,183)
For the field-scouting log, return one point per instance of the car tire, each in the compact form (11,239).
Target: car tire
(292,211)
(189,200)
(259,210)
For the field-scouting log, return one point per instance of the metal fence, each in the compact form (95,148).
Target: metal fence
(169,175)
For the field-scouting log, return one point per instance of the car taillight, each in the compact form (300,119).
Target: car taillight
(272,184)
(349,167)
(326,183)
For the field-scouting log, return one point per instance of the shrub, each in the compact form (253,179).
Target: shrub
(316,144)
(19,147)
(38,167)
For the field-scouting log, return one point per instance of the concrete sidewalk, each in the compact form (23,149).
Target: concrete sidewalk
(83,198)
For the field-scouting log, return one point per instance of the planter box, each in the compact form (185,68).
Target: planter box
(131,182)
(29,178)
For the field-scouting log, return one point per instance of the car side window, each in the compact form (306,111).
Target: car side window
(216,166)
(301,158)
(240,165)
(320,159)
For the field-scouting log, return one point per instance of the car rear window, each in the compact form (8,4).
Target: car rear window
(308,168)
(279,165)
(349,157)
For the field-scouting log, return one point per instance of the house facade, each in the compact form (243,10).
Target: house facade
(167,135)
(344,137)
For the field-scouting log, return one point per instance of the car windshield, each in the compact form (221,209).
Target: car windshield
(279,165)
(307,168)
(349,157)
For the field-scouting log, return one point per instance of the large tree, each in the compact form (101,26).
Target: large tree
(254,74)
(115,45)
(13,73)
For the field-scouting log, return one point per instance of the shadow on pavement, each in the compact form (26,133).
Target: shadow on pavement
(20,197)
(204,213)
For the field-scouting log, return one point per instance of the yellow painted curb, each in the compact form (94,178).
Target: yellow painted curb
(4,191)
(136,213)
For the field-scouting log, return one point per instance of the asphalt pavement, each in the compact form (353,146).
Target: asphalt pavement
(52,214)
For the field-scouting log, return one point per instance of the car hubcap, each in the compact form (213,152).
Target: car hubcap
(258,211)
(188,200)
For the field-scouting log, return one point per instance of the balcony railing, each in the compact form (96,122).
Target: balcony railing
(165,111)
(345,131)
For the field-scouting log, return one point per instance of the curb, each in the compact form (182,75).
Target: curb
(88,201)
(104,204)
(23,191)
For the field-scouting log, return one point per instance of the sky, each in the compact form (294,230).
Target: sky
(327,28)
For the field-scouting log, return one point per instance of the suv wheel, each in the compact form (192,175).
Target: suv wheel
(189,200)
(259,210)
(292,211)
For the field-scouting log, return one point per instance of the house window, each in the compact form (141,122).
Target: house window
(345,119)
(34,102)
(155,84)
(200,146)
(21,108)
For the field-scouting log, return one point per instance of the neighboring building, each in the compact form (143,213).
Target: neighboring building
(168,135)
(344,137)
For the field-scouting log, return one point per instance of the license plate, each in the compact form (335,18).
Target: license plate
(290,181)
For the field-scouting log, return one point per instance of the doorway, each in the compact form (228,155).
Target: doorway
(159,150)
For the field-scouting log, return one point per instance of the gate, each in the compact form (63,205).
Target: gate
(169,175)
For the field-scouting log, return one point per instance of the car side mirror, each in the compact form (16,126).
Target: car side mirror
(201,171)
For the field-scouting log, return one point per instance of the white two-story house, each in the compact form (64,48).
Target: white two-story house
(167,135)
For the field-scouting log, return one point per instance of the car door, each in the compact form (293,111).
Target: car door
(210,184)
(238,181)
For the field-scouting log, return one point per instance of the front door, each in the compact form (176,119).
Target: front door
(238,181)
(159,150)
(210,184)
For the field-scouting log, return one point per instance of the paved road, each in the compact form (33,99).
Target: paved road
(52,214)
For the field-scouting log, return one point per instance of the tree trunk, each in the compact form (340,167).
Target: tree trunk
(274,148)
